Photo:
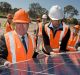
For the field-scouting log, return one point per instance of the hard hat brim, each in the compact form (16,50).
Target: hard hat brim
(20,21)
(55,18)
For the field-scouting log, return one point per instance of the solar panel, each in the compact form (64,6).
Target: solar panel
(63,64)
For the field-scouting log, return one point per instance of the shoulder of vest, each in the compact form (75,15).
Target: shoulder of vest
(40,23)
(46,28)
(11,32)
(8,32)
(47,24)
(65,25)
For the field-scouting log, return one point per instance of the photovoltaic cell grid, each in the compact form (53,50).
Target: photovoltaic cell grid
(63,64)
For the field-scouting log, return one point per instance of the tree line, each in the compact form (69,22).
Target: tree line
(35,10)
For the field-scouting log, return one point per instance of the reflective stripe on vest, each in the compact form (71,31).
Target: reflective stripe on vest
(55,49)
(71,48)
(16,50)
(56,41)
(12,46)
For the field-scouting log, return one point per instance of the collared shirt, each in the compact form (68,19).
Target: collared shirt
(64,40)
(26,39)
(56,28)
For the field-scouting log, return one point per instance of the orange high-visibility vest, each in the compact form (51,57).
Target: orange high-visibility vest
(56,41)
(8,27)
(40,29)
(16,50)
(72,42)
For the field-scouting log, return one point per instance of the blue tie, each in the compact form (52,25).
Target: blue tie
(24,43)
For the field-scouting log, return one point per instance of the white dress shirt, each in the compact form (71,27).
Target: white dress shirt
(26,39)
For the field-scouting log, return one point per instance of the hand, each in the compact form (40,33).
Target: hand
(40,56)
(7,64)
(52,54)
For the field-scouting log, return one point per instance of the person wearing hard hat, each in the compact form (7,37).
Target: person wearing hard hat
(44,18)
(44,21)
(8,23)
(40,24)
(56,33)
(17,45)
(76,32)
(39,32)
(72,45)
(74,38)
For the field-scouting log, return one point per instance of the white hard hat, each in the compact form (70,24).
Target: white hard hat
(56,13)
(44,16)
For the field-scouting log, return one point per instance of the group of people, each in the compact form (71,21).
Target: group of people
(18,45)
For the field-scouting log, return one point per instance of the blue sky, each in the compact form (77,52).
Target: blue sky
(44,3)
